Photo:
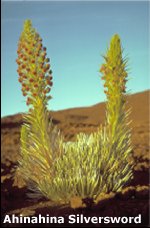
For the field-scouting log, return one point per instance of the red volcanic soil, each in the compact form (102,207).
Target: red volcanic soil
(132,201)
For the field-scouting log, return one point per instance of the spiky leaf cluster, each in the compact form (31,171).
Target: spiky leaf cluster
(87,169)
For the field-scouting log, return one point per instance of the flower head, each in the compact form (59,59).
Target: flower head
(33,67)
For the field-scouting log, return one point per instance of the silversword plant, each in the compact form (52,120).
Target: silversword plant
(95,163)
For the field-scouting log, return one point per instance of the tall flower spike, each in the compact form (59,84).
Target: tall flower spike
(118,131)
(32,65)
(115,76)
(38,143)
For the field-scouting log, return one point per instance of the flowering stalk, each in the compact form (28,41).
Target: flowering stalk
(115,77)
(37,134)
(117,124)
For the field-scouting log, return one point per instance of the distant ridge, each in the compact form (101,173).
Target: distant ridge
(95,114)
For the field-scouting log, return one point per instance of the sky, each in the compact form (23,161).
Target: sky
(76,35)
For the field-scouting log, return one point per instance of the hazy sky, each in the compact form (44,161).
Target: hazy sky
(76,34)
